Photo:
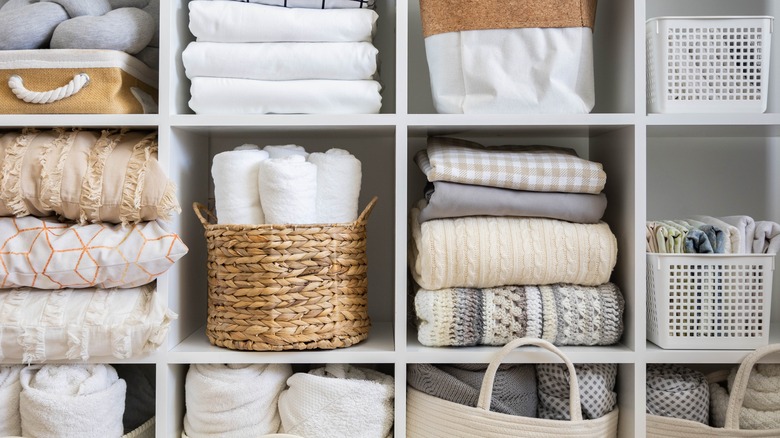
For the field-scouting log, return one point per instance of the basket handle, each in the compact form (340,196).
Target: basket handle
(75,85)
(199,210)
(486,392)
(739,387)
(367,211)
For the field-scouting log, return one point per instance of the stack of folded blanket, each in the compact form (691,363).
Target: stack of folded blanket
(336,400)
(284,184)
(127,26)
(761,405)
(79,400)
(272,56)
(82,244)
(508,243)
(713,235)
(678,392)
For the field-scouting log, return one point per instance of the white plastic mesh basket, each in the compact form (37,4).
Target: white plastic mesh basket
(712,301)
(708,64)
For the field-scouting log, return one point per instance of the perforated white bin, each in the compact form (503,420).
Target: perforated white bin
(708,64)
(709,301)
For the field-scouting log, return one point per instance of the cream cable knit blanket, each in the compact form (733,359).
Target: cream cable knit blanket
(483,251)
(563,314)
(761,405)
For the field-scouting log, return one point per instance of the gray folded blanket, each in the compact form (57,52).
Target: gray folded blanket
(677,392)
(448,199)
(563,314)
(596,383)
(514,390)
(139,399)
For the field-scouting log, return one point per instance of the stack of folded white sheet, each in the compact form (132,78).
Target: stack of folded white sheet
(264,58)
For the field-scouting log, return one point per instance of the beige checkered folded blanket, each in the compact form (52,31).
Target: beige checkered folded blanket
(535,168)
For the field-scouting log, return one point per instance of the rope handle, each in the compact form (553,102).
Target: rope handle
(486,392)
(739,387)
(206,217)
(16,84)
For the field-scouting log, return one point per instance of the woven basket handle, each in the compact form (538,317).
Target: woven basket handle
(367,211)
(740,384)
(486,392)
(200,209)
(16,84)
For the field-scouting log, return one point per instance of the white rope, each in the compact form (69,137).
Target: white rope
(74,86)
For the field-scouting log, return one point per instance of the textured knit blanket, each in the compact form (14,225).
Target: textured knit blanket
(563,314)
(677,392)
(485,251)
(537,168)
(761,405)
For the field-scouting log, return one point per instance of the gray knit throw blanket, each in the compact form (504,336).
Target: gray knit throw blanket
(563,314)
(514,390)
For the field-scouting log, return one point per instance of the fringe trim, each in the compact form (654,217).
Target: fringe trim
(33,344)
(78,343)
(121,341)
(168,204)
(92,183)
(50,195)
(135,179)
(10,182)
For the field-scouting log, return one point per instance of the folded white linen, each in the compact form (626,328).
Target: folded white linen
(288,190)
(233,401)
(734,245)
(10,387)
(80,400)
(339,177)
(317,96)
(284,150)
(281,61)
(746,227)
(236,195)
(239,22)
(338,400)
(76,324)
(767,238)
(316,4)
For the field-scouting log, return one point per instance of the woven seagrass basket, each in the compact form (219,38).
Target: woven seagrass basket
(286,287)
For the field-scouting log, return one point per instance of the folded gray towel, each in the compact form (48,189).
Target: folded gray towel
(140,398)
(697,242)
(514,390)
(596,383)
(677,392)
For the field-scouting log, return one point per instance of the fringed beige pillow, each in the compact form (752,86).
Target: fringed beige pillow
(84,175)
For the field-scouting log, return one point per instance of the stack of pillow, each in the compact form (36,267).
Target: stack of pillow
(269,56)
(82,244)
(508,243)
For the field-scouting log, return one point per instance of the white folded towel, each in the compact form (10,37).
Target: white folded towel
(288,190)
(80,400)
(316,96)
(338,400)
(233,401)
(238,22)
(235,175)
(10,387)
(746,227)
(338,185)
(285,150)
(767,238)
(281,61)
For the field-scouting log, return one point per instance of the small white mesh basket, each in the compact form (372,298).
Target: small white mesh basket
(708,64)
(712,301)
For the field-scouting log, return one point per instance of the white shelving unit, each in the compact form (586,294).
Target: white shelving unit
(657,166)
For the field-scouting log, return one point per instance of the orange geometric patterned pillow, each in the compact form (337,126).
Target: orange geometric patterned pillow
(46,254)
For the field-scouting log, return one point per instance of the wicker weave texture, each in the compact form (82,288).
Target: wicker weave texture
(286,287)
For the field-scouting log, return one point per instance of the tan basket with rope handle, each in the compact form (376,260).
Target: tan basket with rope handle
(286,287)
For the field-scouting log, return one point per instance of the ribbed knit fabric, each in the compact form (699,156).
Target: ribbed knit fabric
(484,251)
(514,390)
(563,314)
(596,384)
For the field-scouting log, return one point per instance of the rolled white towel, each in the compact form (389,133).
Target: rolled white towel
(233,401)
(247,147)
(285,150)
(10,387)
(288,190)
(746,227)
(236,193)
(80,400)
(338,185)
(338,400)
(767,238)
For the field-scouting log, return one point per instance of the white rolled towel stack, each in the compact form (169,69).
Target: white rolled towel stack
(281,151)
(236,194)
(233,401)
(10,387)
(338,185)
(80,400)
(288,190)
